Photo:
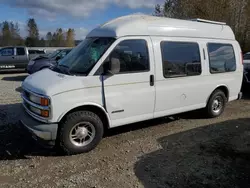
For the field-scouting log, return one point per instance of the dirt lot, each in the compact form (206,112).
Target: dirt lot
(186,152)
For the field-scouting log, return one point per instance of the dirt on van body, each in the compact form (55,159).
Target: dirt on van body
(185,151)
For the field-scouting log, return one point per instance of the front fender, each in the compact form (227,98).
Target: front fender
(85,104)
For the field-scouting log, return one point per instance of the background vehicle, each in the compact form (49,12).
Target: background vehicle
(43,61)
(36,52)
(16,57)
(122,74)
(246,64)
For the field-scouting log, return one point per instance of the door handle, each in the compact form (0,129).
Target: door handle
(13,57)
(151,80)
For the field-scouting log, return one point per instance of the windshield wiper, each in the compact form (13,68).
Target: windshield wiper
(65,69)
(79,73)
(65,66)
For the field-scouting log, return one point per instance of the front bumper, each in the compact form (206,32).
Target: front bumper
(39,130)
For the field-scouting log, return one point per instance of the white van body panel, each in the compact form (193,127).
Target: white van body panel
(176,95)
(47,82)
(129,97)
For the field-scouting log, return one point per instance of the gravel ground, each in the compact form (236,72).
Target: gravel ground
(185,151)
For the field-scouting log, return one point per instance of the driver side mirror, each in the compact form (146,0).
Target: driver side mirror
(111,66)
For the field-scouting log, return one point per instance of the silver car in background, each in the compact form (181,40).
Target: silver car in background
(46,61)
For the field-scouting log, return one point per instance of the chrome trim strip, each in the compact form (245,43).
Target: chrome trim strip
(35,105)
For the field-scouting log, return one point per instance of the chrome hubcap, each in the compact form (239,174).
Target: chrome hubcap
(82,134)
(217,104)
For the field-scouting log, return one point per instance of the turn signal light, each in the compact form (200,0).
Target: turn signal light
(44,102)
(44,113)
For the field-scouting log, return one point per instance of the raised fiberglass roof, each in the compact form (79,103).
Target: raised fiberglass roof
(133,25)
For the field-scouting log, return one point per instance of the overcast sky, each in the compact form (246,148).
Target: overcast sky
(82,15)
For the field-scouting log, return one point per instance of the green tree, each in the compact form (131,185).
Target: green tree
(54,40)
(49,39)
(1,37)
(158,10)
(16,38)
(42,42)
(30,42)
(60,38)
(6,34)
(235,13)
(70,38)
(33,33)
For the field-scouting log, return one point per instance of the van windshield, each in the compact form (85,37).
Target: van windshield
(84,57)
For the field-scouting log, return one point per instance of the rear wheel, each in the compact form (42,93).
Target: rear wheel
(216,104)
(80,132)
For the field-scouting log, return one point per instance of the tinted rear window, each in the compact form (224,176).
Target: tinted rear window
(36,52)
(180,59)
(20,51)
(221,58)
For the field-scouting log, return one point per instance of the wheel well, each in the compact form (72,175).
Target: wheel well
(98,111)
(224,89)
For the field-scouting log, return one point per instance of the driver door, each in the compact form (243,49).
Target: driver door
(130,94)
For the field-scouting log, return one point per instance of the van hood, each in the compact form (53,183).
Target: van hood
(48,82)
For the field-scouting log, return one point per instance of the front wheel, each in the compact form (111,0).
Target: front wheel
(80,132)
(216,104)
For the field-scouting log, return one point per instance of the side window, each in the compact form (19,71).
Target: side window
(180,59)
(221,58)
(41,52)
(7,52)
(32,52)
(20,51)
(133,55)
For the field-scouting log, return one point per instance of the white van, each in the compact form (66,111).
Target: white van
(131,69)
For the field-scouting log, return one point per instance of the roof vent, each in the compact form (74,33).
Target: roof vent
(208,21)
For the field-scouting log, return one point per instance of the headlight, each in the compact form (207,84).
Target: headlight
(39,100)
(31,63)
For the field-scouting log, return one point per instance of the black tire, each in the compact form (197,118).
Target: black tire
(216,95)
(70,121)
